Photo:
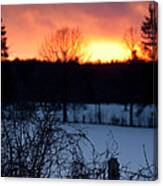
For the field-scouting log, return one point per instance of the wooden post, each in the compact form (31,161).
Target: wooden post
(113,169)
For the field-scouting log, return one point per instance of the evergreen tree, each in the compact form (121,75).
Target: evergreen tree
(149,31)
(4,48)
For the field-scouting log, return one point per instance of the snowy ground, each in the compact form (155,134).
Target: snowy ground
(130,143)
(126,143)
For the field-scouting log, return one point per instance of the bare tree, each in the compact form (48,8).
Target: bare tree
(27,141)
(65,45)
(37,145)
(131,41)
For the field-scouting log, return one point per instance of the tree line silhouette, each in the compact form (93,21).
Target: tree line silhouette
(119,83)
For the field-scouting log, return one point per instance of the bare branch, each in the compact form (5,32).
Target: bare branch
(65,45)
(131,40)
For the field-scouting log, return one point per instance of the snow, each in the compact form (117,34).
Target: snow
(126,143)
(130,143)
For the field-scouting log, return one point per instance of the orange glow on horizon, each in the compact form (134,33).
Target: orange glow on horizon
(106,51)
(99,50)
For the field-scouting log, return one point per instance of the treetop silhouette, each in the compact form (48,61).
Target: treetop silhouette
(4,47)
(65,45)
(149,32)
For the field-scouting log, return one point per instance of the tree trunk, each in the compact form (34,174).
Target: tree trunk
(64,112)
(99,113)
(65,76)
(131,114)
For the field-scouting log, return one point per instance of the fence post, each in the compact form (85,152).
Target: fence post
(78,170)
(113,169)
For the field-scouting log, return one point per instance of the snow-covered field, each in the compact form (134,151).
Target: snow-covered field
(134,147)
(127,142)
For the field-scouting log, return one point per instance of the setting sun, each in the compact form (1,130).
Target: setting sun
(107,51)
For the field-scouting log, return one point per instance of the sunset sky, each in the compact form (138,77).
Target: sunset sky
(102,24)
